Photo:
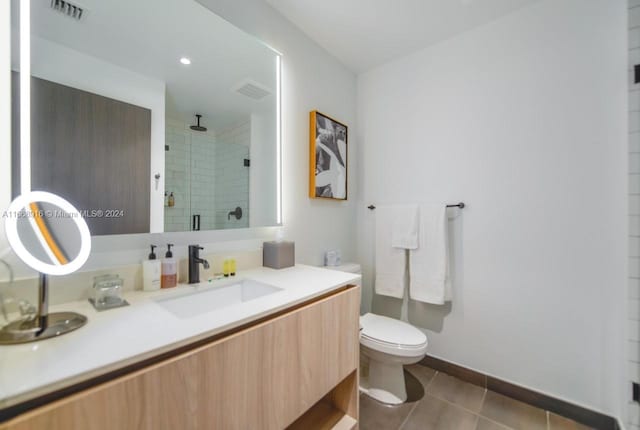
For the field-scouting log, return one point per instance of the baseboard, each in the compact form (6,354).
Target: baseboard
(563,408)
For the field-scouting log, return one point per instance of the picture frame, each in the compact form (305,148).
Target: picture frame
(328,157)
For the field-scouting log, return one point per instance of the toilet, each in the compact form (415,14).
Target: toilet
(386,345)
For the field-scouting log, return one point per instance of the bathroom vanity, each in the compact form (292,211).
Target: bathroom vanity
(285,354)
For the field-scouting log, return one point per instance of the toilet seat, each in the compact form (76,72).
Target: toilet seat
(391,336)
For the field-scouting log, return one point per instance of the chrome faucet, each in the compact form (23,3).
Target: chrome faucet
(194,260)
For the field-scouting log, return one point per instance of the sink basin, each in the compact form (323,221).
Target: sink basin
(199,302)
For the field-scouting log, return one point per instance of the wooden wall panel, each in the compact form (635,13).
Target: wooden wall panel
(92,150)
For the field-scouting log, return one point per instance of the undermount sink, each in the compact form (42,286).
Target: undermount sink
(195,303)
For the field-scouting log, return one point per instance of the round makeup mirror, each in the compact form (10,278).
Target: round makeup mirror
(49,235)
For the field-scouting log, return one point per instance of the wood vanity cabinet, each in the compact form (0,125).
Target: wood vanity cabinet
(298,368)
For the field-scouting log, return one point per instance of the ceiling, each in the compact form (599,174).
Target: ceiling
(366,33)
(149,37)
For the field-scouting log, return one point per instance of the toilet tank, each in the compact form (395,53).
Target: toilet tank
(347,267)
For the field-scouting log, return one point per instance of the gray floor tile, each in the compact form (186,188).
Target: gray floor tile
(423,373)
(415,388)
(432,413)
(377,416)
(556,422)
(485,424)
(513,413)
(456,391)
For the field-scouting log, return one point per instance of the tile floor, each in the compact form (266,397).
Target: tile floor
(441,402)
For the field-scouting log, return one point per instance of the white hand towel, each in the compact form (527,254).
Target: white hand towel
(404,233)
(390,261)
(429,279)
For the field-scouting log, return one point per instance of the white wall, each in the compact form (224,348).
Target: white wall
(523,119)
(57,63)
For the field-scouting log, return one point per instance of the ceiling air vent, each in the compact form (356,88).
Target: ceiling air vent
(67,8)
(252,89)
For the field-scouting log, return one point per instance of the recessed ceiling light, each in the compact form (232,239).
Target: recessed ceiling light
(185,61)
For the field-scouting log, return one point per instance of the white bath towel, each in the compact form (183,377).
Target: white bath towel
(404,233)
(390,261)
(429,279)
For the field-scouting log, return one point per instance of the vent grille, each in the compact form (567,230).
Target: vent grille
(67,8)
(252,89)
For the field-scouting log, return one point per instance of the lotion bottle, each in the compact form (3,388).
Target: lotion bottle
(232,266)
(226,267)
(169,269)
(151,272)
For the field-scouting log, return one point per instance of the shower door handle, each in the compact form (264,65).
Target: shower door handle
(195,222)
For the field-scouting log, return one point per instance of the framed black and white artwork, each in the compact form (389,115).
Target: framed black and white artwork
(327,157)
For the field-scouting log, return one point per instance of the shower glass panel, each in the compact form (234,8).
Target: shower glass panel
(207,177)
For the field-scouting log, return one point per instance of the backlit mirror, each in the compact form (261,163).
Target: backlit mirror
(150,116)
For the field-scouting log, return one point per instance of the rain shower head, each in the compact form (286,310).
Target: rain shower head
(198,127)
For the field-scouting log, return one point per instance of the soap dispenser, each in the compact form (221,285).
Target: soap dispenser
(169,269)
(151,272)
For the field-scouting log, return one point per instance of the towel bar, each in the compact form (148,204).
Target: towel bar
(458,205)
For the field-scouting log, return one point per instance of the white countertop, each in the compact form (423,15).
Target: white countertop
(118,337)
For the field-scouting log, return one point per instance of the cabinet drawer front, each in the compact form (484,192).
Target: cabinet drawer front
(263,377)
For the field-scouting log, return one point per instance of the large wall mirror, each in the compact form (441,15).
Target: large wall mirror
(150,116)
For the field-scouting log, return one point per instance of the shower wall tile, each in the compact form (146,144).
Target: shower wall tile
(634,267)
(633,333)
(634,100)
(634,163)
(634,38)
(634,225)
(634,204)
(633,329)
(634,246)
(634,17)
(634,309)
(232,179)
(634,142)
(634,288)
(634,123)
(634,183)
(177,177)
(634,352)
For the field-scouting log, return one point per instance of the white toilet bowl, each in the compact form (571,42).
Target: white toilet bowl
(388,344)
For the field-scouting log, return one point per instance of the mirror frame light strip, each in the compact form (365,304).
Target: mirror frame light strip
(25,96)
(47,235)
(278,140)
(21,203)
(38,233)
(5,104)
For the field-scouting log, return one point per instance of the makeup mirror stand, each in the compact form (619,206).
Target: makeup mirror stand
(43,325)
